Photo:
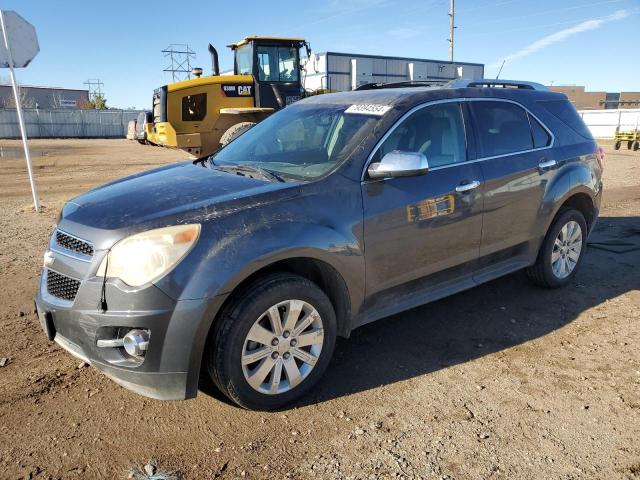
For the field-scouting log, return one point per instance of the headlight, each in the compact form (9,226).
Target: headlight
(147,256)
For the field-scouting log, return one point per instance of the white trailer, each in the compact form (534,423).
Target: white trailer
(339,72)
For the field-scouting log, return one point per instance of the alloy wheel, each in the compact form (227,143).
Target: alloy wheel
(282,347)
(566,249)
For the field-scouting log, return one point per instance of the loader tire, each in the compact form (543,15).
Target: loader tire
(234,132)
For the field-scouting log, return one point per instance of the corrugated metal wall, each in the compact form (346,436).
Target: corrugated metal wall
(339,70)
(67,123)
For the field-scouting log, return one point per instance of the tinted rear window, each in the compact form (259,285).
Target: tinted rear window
(502,127)
(564,111)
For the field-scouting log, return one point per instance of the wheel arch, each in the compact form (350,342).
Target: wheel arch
(323,274)
(582,202)
(576,186)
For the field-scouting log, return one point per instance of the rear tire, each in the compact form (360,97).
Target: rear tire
(562,250)
(636,146)
(234,132)
(259,368)
(617,145)
(629,145)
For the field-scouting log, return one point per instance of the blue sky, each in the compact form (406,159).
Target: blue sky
(565,42)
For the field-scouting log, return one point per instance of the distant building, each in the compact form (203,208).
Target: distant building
(44,97)
(584,100)
(345,71)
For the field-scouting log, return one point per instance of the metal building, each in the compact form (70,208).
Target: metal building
(44,97)
(345,71)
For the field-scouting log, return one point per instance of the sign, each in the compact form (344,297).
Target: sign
(18,48)
(22,40)
(66,103)
(368,109)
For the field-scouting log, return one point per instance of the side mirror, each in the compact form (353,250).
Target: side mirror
(399,164)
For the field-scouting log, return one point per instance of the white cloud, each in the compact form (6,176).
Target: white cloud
(563,35)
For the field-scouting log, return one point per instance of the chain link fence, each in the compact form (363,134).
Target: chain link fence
(67,123)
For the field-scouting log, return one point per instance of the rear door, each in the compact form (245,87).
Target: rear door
(423,229)
(517,162)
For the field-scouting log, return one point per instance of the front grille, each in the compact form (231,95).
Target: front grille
(62,286)
(72,243)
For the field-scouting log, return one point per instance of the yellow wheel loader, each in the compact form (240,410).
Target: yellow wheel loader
(201,114)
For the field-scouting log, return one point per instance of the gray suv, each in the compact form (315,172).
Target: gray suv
(332,213)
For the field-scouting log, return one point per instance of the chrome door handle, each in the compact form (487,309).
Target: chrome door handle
(547,164)
(465,187)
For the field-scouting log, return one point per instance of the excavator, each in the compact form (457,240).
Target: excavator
(201,114)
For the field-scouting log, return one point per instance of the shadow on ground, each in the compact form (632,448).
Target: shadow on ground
(486,319)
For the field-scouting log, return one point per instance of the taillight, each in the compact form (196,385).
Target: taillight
(600,157)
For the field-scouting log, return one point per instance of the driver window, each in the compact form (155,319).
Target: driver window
(436,131)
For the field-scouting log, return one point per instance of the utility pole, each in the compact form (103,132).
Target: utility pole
(452,26)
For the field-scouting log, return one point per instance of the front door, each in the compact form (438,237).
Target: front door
(277,76)
(423,231)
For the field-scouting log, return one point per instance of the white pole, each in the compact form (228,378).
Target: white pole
(23,130)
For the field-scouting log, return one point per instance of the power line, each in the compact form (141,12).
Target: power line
(180,56)
(94,85)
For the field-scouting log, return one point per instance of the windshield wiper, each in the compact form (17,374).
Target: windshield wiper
(263,172)
(203,160)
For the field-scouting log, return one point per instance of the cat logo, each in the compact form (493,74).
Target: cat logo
(235,90)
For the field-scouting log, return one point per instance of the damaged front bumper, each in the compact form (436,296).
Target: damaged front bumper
(169,368)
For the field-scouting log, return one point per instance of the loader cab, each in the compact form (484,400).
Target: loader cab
(274,64)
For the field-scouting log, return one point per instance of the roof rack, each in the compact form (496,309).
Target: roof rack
(495,83)
(407,83)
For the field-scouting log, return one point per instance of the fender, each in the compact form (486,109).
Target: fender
(572,178)
(280,242)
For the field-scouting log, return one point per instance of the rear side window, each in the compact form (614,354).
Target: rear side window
(563,110)
(194,107)
(502,128)
(541,137)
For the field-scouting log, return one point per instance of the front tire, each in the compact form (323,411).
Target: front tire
(273,342)
(562,250)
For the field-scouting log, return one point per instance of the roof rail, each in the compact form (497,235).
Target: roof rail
(494,83)
(406,83)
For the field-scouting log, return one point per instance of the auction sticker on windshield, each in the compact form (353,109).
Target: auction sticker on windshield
(368,109)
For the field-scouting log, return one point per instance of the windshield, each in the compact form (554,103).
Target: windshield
(300,141)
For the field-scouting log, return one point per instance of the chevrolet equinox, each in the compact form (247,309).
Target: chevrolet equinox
(334,212)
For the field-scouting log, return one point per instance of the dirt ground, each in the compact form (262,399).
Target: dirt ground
(502,381)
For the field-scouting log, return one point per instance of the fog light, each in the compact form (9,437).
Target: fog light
(136,342)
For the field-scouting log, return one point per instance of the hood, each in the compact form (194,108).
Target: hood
(159,194)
